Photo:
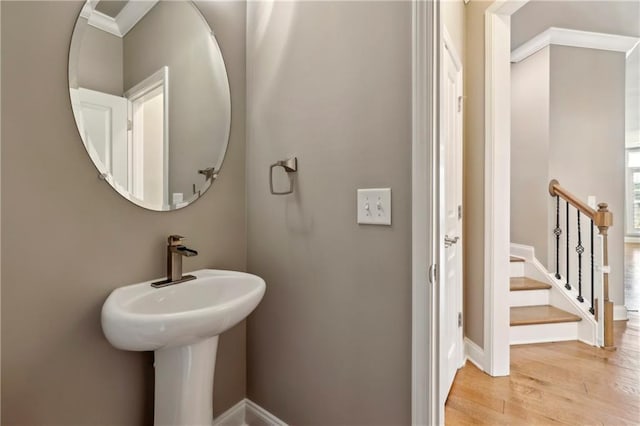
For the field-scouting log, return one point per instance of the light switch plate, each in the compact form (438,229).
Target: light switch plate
(374,206)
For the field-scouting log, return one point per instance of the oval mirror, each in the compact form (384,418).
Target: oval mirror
(150,95)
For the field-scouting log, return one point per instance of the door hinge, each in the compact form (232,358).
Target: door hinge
(433,273)
(129,125)
(459,103)
(459,212)
(459,319)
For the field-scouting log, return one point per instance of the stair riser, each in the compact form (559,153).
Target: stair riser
(528,298)
(516,269)
(540,333)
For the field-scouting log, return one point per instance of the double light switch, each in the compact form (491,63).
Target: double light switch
(374,206)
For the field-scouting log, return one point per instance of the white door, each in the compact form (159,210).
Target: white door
(450,289)
(104,131)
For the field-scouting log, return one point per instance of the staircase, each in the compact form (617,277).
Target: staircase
(534,318)
(571,303)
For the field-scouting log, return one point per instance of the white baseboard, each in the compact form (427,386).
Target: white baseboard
(620,313)
(474,353)
(246,413)
(234,416)
(632,239)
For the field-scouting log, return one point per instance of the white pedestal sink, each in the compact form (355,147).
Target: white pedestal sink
(181,324)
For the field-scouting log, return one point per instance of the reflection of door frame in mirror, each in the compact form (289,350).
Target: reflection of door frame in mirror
(158,79)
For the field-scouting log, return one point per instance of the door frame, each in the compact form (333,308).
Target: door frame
(424,218)
(447,47)
(159,78)
(497,184)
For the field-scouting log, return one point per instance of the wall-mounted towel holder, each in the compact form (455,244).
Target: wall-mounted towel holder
(290,165)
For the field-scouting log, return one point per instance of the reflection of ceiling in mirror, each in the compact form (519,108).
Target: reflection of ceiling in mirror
(111,7)
(116,17)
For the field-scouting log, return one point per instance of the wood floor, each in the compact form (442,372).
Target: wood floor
(564,383)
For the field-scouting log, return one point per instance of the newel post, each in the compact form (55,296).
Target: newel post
(603,220)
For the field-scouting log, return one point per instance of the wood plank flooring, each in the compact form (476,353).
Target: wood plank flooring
(563,383)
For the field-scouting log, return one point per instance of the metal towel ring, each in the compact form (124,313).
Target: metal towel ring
(290,165)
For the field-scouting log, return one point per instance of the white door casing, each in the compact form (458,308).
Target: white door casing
(450,335)
(424,227)
(497,167)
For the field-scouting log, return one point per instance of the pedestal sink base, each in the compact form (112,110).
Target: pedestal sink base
(184,384)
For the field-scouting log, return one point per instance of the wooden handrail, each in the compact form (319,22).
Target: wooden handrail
(603,219)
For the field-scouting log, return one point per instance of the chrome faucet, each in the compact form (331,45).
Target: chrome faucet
(175,250)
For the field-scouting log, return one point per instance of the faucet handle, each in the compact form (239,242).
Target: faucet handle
(175,240)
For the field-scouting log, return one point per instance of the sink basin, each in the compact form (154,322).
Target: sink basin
(181,324)
(139,317)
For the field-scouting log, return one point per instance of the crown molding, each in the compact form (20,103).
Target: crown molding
(126,19)
(574,38)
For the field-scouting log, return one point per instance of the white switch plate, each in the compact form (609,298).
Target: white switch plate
(591,201)
(374,206)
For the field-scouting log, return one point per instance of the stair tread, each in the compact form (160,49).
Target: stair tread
(524,283)
(542,314)
(515,259)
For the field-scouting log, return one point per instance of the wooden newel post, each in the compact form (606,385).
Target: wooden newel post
(603,220)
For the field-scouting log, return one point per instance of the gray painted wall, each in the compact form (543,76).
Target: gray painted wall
(587,136)
(99,60)
(68,239)
(473,158)
(530,153)
(198,109)
(568,108)
(330,82)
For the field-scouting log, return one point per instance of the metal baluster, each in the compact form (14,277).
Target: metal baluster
(591,309)
(579,250)
(557,233)
(567,285)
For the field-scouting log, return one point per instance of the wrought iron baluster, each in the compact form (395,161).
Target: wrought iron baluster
(567,285)
(579,250)
(591,309)
(557,232)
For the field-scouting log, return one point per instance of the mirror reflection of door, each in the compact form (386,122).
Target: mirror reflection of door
(148,138)
(104,128)
(128,136)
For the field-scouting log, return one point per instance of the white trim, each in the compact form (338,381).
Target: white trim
(497,184)
(474,353)
(529,298)
(539,333)
(247,412)
(234,416)
(632,239)
(424,360)
(620,313)
(126,19)
(574,38)
(155,80)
